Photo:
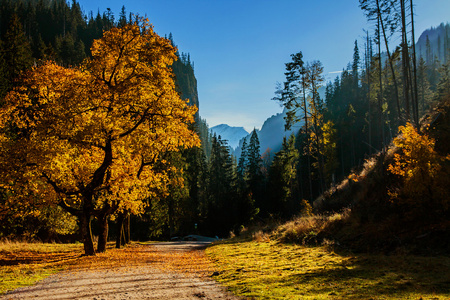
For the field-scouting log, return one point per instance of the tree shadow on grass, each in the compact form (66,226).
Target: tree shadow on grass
(369,275)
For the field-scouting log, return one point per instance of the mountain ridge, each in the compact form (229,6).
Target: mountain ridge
(229,133)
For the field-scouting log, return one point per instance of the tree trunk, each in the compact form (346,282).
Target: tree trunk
(120,233)
(307,135)
(85,227)
(416,94)
(380,99)
(103,236)
(391,64)
(405,61)
(128,231)
(368,65)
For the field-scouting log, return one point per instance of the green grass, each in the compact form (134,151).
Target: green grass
(271,270)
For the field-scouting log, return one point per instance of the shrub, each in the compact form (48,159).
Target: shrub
(422,172)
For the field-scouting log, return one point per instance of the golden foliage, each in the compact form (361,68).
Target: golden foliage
(89,137)
(421,170)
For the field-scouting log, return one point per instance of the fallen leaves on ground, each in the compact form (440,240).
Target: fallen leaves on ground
(25,264)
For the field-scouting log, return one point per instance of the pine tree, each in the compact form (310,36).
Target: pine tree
(243,163)
(222,190)
(283,183)
(424,91)
(355,69)
(293,96)
(254,164)
(122,17)
(16,49)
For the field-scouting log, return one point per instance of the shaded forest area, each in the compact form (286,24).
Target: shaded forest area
(384,87)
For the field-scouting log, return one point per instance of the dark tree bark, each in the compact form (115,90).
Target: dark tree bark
(128,229)
(405,61)
(86,234)
(103,236)
(391,63)
(380,97)
(416,93)
(120,231)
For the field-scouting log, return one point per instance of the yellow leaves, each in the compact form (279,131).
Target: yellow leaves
(420,168)
(20,261)
(417,153)
(58,122)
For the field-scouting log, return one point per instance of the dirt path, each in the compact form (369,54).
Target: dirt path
(148,281)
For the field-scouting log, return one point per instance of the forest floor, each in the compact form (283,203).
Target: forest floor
(173,270)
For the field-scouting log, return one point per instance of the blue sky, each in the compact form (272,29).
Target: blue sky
(239,47)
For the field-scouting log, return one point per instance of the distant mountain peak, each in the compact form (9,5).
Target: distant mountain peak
(229,133)
(271,134)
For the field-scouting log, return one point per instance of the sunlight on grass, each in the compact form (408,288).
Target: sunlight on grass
(269,270)
(24,263)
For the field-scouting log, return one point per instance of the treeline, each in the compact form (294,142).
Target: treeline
(346,121)
(209,191)
(202,198)
(380,90)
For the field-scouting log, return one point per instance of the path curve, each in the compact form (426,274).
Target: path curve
(142,282)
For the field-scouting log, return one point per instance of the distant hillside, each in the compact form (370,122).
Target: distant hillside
(186,82)
(231,134)
(388,211)
(438,39)
(271,134)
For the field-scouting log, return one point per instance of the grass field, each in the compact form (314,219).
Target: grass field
(271,270)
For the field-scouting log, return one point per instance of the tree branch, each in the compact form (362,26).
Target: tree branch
(60,190)
(141,120)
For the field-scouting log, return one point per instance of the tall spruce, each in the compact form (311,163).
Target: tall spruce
(222,190)
(293,96)
(283,183)
(17,52)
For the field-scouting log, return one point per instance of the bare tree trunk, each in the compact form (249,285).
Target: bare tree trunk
(103,236)
(86,234)
(380,98)
(405,61)
(120,231)
(416,96)
(391,63)
(128,231)
(308,154)
(368,59)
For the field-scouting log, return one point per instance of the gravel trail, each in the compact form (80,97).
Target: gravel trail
(127,282)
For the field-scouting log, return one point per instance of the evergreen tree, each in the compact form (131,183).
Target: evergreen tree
(222,190)
(355,70)
(17,52)
(424,92)
(283,183)
(254,165)
(293,96)
(243,163)
(122,17)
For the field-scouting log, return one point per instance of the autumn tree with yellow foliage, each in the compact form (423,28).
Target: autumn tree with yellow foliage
(87,138)
(423,173)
